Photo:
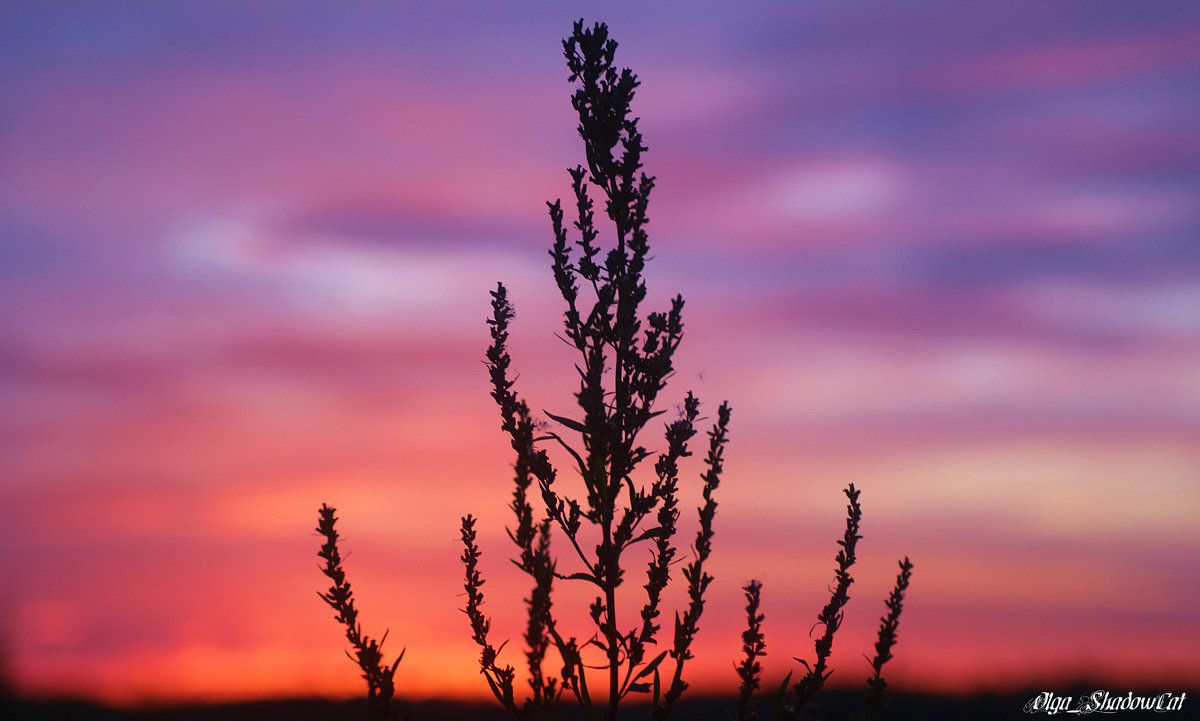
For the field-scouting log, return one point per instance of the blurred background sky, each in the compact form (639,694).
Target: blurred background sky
(949,252)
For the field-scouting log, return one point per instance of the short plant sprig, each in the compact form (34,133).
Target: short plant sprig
(698,579)
(500,680)
(368,653)
(876,685)
(830,618)
(755,647)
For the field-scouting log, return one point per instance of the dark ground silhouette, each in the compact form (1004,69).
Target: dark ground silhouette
(832,704)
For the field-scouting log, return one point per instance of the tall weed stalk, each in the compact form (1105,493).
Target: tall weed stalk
(624,360)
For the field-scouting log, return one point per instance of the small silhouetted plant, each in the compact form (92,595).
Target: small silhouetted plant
(368,653)
(830,618)
(755,647)
(791,703)
(625,358)
(887,639)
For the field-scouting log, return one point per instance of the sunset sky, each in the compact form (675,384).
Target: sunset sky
(948,252)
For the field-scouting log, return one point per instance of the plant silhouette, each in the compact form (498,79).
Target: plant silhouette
(625,358)
(368,653)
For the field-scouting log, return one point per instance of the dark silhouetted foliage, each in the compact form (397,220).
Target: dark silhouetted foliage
(625,358)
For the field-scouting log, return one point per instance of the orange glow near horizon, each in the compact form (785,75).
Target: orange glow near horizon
(403,565)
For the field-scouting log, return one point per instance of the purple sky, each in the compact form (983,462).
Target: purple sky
(949,252)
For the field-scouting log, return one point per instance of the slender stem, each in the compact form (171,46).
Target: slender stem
(614,652)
